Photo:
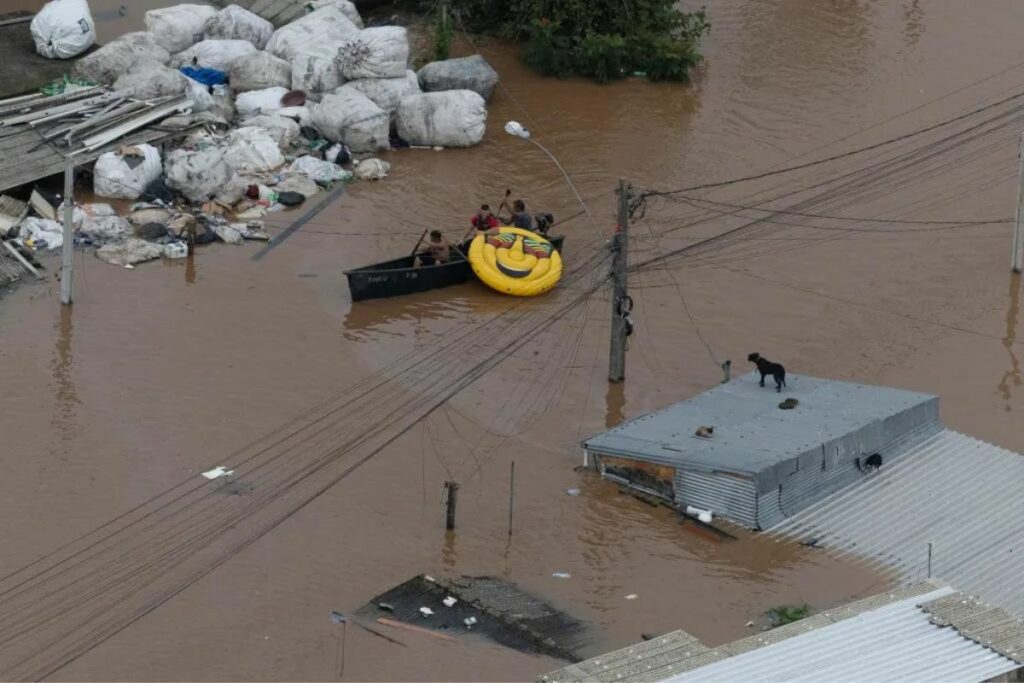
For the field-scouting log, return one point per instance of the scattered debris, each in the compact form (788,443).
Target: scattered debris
(426,611)
(573,492)
(704,432)
(129,252)
(449,601)
(217,472)
(470,622)
(338,618)
(562,575)
(372,169)
(632,596)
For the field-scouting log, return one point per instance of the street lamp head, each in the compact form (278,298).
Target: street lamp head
(515,128)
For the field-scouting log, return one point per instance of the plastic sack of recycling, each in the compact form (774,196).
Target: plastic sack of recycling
(150,80)
(40,233)
(326,28)
(108,63)
(256,102)
(259,72)
(179,27)
(455,118)
(252,151)
(214,54)
(379,52)
(235,23)
(124,174)
(347,8)
(197,174)
(386,93)
(63,29)
(318,170)
(282,130)
(372,169)
(465,73)
(315,70)
(352,118)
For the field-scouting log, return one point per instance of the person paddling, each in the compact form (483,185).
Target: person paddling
(520,218)
(481,223)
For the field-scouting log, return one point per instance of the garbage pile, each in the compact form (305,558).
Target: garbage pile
(282,114)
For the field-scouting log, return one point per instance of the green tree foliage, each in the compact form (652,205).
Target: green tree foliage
(599,39)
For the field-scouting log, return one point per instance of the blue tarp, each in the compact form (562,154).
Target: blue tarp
(204,75)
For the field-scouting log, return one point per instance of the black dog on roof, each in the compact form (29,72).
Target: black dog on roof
(766,367)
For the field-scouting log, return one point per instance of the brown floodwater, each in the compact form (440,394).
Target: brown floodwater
(162,371)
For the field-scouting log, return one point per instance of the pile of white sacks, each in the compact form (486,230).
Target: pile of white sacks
(357,83)
(357,91)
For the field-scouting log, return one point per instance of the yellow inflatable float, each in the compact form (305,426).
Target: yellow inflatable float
(515,261)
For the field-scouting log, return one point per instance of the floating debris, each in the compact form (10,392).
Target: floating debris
(449,601)
(218,472)
(562,575)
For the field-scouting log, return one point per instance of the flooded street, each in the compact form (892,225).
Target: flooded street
(161,372)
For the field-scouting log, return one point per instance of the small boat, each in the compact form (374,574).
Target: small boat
(402,276)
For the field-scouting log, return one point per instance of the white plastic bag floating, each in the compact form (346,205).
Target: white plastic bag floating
(199,174)
(379,52)
(251,151)
(260,71)
(256,102)
(325,28)
(316,70)
(386,93)
(454,118)
(126,176)
(352,118)
(63,29)
(347,8)
(235,23)
(108,63)
(372,169)
(179,27)
(318,170)
(214,54)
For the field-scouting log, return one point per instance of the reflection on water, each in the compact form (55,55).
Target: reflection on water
(65,394)
(190,267)
(615,404)
(1013,374)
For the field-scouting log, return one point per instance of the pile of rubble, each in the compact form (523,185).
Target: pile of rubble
(272,117)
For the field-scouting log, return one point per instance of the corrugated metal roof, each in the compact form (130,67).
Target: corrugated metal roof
(961,494)
(893,636)
(752,435)
(895,642)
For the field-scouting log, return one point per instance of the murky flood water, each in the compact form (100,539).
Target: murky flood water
(167,369)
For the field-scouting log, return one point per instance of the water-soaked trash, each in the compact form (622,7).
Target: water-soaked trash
(573,492)
(562,575)
(632,596)
(218,472)
(449,601)
(470,622)
(426,611)
(338,618)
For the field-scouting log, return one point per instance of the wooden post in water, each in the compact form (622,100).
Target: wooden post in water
(620,275)
(511,496)
(68,252)
(1018,229)
(450,487)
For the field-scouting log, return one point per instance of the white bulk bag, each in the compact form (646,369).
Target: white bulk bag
(235,23)
(214,54)
(386,93)
(197,174)
(348,8)
(108,63)
(150,80)
(282,129)
(126,177)
(454,118)
(63,29)
(251,151)
(379,52)
(316,70)
(256,102)
(352,118)
(325,28)
(318,170)
(179,27)
(259,71)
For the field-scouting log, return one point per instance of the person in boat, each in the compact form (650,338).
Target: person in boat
(520,218)
(481,223)
(438,250)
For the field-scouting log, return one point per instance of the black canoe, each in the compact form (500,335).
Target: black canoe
(402,276)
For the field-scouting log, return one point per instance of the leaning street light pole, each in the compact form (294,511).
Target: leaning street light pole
(517,129)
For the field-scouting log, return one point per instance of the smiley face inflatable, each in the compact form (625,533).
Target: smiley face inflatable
(515,261)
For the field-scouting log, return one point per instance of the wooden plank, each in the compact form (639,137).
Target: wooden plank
(24,263)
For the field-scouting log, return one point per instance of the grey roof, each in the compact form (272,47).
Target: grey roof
(961,494)
(890,637)
(754,438)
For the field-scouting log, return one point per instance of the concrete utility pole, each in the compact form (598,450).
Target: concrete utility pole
(620,298)
(68,252)
(1018,230)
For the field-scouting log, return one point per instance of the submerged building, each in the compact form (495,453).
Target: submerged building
(924,632)
(755,457)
